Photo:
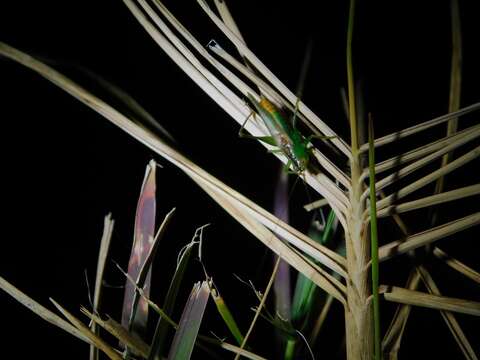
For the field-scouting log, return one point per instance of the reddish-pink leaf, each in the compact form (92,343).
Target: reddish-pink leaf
(142,244)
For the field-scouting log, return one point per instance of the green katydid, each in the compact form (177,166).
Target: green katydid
(284,136)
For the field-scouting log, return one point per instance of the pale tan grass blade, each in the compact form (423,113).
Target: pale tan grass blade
(262,85)
(321,319)
(180,46)
(431,200)
(289,95)
(457,265)
(266,89)
(449,318)
(399,174)
(137,345)
(421,151)
(393,337)
(322,280)
(232,108)
(387,139)
(108,224)
(227,18)
(223,96)
(322,254)
(455,164)
(317,204)
(263,301)
(101,344)
(41,310)
(412,242)
(417,298)
(455,86)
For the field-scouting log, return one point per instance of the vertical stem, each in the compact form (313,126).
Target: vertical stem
(374,240)
(358,319)
(351,83)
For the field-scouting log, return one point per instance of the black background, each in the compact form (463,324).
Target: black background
(65,167)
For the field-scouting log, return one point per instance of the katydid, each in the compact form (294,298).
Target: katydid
(283,135)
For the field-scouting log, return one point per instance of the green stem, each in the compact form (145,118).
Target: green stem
(374,241)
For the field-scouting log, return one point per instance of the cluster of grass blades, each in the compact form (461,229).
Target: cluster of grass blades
(357,201)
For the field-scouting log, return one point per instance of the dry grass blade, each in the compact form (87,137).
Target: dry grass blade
(320,253)
(457,265)
(228,19)
(315,205)
(260,306)
(431,200)
(449,318)
(463,160)
(317,275)
(399,174)
(387,139)
(422,150)
(292,98)
(221,94)
(417,298)
(102,345)
(102,258)
(134,343)
(119,332)
(41,311)
(320,320)
(428,236)
(393,337)
(455,86)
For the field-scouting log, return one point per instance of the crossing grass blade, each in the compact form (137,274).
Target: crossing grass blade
(134,343)
(189,325)
(96,340)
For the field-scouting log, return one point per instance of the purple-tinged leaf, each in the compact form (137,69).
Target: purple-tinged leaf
(135,317)
(282,279)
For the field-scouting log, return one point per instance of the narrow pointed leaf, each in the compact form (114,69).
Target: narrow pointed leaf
(226,315)
(418,298)
(189,325)
(102,258)
(163,326)
(133,316)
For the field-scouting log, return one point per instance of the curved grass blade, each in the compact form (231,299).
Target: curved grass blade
(189,325)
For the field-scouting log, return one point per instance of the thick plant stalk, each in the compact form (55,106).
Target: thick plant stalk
(358,316)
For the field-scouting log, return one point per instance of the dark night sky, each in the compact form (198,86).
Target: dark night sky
(66,167)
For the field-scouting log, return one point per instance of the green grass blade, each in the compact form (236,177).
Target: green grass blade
(374,241)
(189,325)
(161,331)
(304,289)
(227,316)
